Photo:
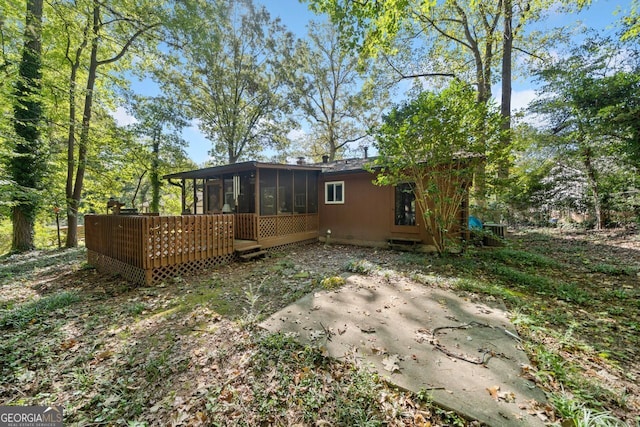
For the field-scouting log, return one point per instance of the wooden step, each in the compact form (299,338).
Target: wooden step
(247,248)
(251,255)
(407,241)
(404,243)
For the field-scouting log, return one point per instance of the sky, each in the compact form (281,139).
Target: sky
(295,15)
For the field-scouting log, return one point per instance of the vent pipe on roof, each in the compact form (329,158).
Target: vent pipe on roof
(301,161)
(325,159)
(366,152)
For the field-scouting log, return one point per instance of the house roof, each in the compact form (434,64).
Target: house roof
(336,166)
(236,168)
(346,165)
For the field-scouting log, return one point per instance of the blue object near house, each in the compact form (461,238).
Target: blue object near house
(474,223)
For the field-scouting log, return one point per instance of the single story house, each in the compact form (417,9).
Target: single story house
(241,210)
(279,204)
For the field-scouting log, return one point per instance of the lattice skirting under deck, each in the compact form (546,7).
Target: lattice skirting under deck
(140,276)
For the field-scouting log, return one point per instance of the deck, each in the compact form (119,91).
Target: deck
(150,249)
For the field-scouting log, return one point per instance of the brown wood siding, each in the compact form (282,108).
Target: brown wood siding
(367,215)
(367,211)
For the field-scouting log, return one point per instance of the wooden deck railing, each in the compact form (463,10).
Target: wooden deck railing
(153,243)
(246,226)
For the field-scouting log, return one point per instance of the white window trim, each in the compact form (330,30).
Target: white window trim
(326,192)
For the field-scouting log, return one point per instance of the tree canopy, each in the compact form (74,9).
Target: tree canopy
(435,143)
(227,64)
(338,95)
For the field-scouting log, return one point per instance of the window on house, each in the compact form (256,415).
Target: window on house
(405,212)
(334,192)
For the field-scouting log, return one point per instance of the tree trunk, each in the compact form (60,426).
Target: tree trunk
(28,163)
(22,231)
(505,105)
(155,181)
(587,159)
(74,201)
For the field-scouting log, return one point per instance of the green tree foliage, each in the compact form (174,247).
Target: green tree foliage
(97,36)
(631,22)
(468,40)
(370,27)
(227,66)
(591,105)
(338,98)
(28,160)
(434,143)
(159,126)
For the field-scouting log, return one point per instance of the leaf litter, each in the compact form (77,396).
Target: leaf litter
(181,353)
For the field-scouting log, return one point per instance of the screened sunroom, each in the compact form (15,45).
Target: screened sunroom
(273,204)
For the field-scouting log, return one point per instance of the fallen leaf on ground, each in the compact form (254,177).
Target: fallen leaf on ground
(507,396)
(390,363)
(420,421)
(378,350)
(493,391)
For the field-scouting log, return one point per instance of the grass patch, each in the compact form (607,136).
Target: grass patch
(613,270)
(333,282)
(520,258)
(477,286)
(541,285)
(578,414)
(291,372)
(35,311)
(28,265)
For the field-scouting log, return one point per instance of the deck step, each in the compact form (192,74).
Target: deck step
(247,248)
(404,243)
(251,255)
(405,240)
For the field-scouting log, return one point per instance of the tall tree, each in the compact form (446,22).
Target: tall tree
(227,66)
(107,34)
(590,103)
(466,40)
(159,126)
(28,162)
(336,94)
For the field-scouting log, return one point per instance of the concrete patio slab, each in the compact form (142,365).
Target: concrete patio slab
(466,354)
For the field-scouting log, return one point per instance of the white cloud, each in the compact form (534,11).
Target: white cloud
(297,134)
(122,117)
(520,99)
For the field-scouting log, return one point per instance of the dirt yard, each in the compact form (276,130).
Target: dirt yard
(187,352)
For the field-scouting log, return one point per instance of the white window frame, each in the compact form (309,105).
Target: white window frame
(333,184)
